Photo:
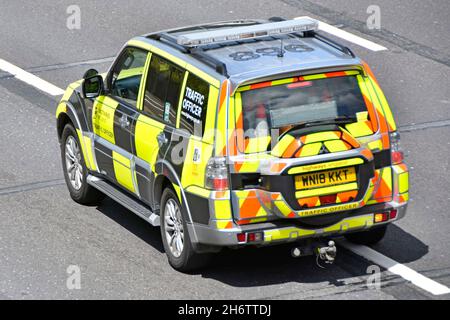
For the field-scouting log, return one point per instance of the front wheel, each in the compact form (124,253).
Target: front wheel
(175,236)
(75,170)
(369,237)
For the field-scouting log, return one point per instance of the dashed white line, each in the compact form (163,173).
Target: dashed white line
(399,269)
(325,27)
(30,79)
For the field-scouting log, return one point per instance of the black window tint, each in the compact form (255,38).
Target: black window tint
(162,91)
(194,105)
(173,94)
(127,75)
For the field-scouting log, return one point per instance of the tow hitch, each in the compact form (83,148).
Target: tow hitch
(322,252)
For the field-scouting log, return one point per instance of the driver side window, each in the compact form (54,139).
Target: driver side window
(127,75)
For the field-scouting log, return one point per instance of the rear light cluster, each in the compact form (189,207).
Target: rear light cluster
(250,237)
(396,150)
(385,216)
(216,176)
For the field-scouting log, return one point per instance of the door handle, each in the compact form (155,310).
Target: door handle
(162,140)
(124,122)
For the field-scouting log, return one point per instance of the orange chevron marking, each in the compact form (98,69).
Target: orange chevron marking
(249,208)
(291,149)
(335,74)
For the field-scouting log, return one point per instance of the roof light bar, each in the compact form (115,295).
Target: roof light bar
(247,32)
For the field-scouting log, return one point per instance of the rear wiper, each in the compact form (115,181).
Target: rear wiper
(336,120)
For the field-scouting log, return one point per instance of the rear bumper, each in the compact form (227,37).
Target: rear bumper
(287,230)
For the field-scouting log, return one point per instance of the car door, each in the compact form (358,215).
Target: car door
(114,116)
(156,121)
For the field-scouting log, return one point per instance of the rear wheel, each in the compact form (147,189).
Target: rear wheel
(175,236)
(75,170)
(369,237)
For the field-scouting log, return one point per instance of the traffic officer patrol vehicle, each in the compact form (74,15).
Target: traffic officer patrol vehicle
(249,132)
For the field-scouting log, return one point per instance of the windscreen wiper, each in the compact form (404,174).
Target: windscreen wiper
(337,120)
(306,124)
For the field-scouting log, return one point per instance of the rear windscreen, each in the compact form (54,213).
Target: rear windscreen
(299,102)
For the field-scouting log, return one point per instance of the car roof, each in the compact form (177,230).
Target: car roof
(315,53)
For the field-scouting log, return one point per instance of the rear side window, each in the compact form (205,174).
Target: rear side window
(162,91)
(194,105)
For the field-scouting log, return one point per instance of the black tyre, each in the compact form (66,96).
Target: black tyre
(175,236)
(369,237)
(75,170)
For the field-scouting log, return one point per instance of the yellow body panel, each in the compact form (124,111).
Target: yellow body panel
(146,144)
(311,149)
(359,129)
(403,182)
(202,192)
(194,165)
(122,170)
(103,118)
(62,108)
(222,209)
(282,145)
(361,222)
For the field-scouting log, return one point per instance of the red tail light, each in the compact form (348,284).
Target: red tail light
(396,150)
(216,175)
(393,214)
(385,216)
(241,237)
(397,156)
(220,183)
(250,237)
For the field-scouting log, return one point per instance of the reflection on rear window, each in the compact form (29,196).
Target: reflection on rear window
(286,105)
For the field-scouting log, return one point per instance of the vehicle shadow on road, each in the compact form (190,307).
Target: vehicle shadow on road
(132,223)
(252,267)
(401,246)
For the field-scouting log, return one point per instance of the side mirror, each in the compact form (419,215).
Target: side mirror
(92,87)
(90,73)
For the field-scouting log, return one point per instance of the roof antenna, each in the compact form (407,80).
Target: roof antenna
(281,53)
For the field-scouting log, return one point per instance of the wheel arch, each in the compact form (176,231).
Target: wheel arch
(161,183)
(167,177)
(62,120)
(65,114)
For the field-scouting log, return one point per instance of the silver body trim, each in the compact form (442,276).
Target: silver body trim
(153,218)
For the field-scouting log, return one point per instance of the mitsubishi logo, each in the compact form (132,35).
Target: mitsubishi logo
(323,150)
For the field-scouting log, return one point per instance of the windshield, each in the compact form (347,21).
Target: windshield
(283,106)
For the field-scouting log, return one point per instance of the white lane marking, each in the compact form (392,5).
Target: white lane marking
(30,79)
(397,268)
(325,27)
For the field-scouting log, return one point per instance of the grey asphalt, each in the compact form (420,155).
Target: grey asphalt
(43,231)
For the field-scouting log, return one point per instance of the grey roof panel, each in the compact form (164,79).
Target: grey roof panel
(263,55)
(301,54)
